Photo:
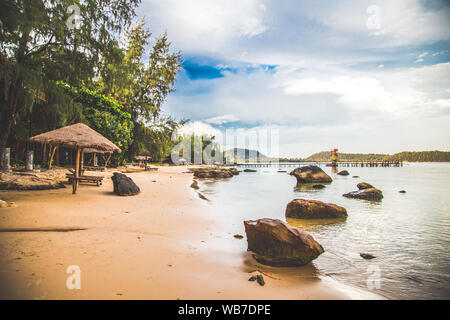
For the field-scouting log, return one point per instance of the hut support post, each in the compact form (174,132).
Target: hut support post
(51,157)
(82,162)
(75,176)
(107,160)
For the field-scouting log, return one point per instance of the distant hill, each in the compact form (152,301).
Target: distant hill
(239,154)
(411,156)
(325,156)
(422,156)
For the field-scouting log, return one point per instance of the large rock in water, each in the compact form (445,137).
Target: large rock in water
(365,192)
(214,172)
(308,174)
(276,243)
(314,209)
(123,185)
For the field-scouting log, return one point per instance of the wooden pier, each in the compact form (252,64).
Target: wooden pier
(370,164)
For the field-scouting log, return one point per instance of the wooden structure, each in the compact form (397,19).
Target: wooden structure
(144,157)
(371,164)
(79,137)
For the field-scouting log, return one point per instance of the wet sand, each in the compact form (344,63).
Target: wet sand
(164,243)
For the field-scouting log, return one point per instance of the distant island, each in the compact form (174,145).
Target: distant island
(240,154)
(410,156)
(250,155)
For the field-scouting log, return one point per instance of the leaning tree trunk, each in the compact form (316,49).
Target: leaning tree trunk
(9,116)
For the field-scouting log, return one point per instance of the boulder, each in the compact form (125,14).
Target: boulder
(363,185)
(365,194)
(123,185)
(314,209)
(308,174)
(343,173)
(276,243)
(214,172)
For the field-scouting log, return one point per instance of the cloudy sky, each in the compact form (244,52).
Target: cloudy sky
(361,76)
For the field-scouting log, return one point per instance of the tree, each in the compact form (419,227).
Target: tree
(39,44)
(103,114)
(141,83)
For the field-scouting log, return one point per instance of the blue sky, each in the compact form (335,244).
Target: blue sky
(363,76)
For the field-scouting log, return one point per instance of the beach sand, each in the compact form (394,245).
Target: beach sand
(164,243)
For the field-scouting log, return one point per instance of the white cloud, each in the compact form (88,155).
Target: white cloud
(318,95)
(204,25)
(226,118)
(198,128)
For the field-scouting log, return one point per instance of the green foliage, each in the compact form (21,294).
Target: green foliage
(200,149)
(158,138)
(422,156)
(103,114)
(38,46)
(141,81)
(52,75)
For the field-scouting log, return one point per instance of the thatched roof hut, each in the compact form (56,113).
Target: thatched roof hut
(76,136)
(145,154)
(80,137)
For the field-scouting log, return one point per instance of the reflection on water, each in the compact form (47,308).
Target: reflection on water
(313,224)
(409,234)
(309,187)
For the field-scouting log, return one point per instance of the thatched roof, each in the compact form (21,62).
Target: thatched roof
(92,150)
(145,154)
(76,136)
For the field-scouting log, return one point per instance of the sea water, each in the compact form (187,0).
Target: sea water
(408,233)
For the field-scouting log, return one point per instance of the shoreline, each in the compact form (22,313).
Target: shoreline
(160,244)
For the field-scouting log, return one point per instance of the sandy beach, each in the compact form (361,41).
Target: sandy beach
(164,243)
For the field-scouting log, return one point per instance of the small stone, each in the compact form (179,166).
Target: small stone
(202,197)
(249,170)
(366,256)
(194,185)
(355,177)
(238,236)
(318,186)
(260,280)
(402,191)
(252,278)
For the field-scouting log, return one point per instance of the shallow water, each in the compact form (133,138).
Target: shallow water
(409,234)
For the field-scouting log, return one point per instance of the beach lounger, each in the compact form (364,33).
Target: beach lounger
(91,179)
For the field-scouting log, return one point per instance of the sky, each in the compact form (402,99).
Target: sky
(361,76)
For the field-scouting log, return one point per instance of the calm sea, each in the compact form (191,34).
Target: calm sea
(408,233)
